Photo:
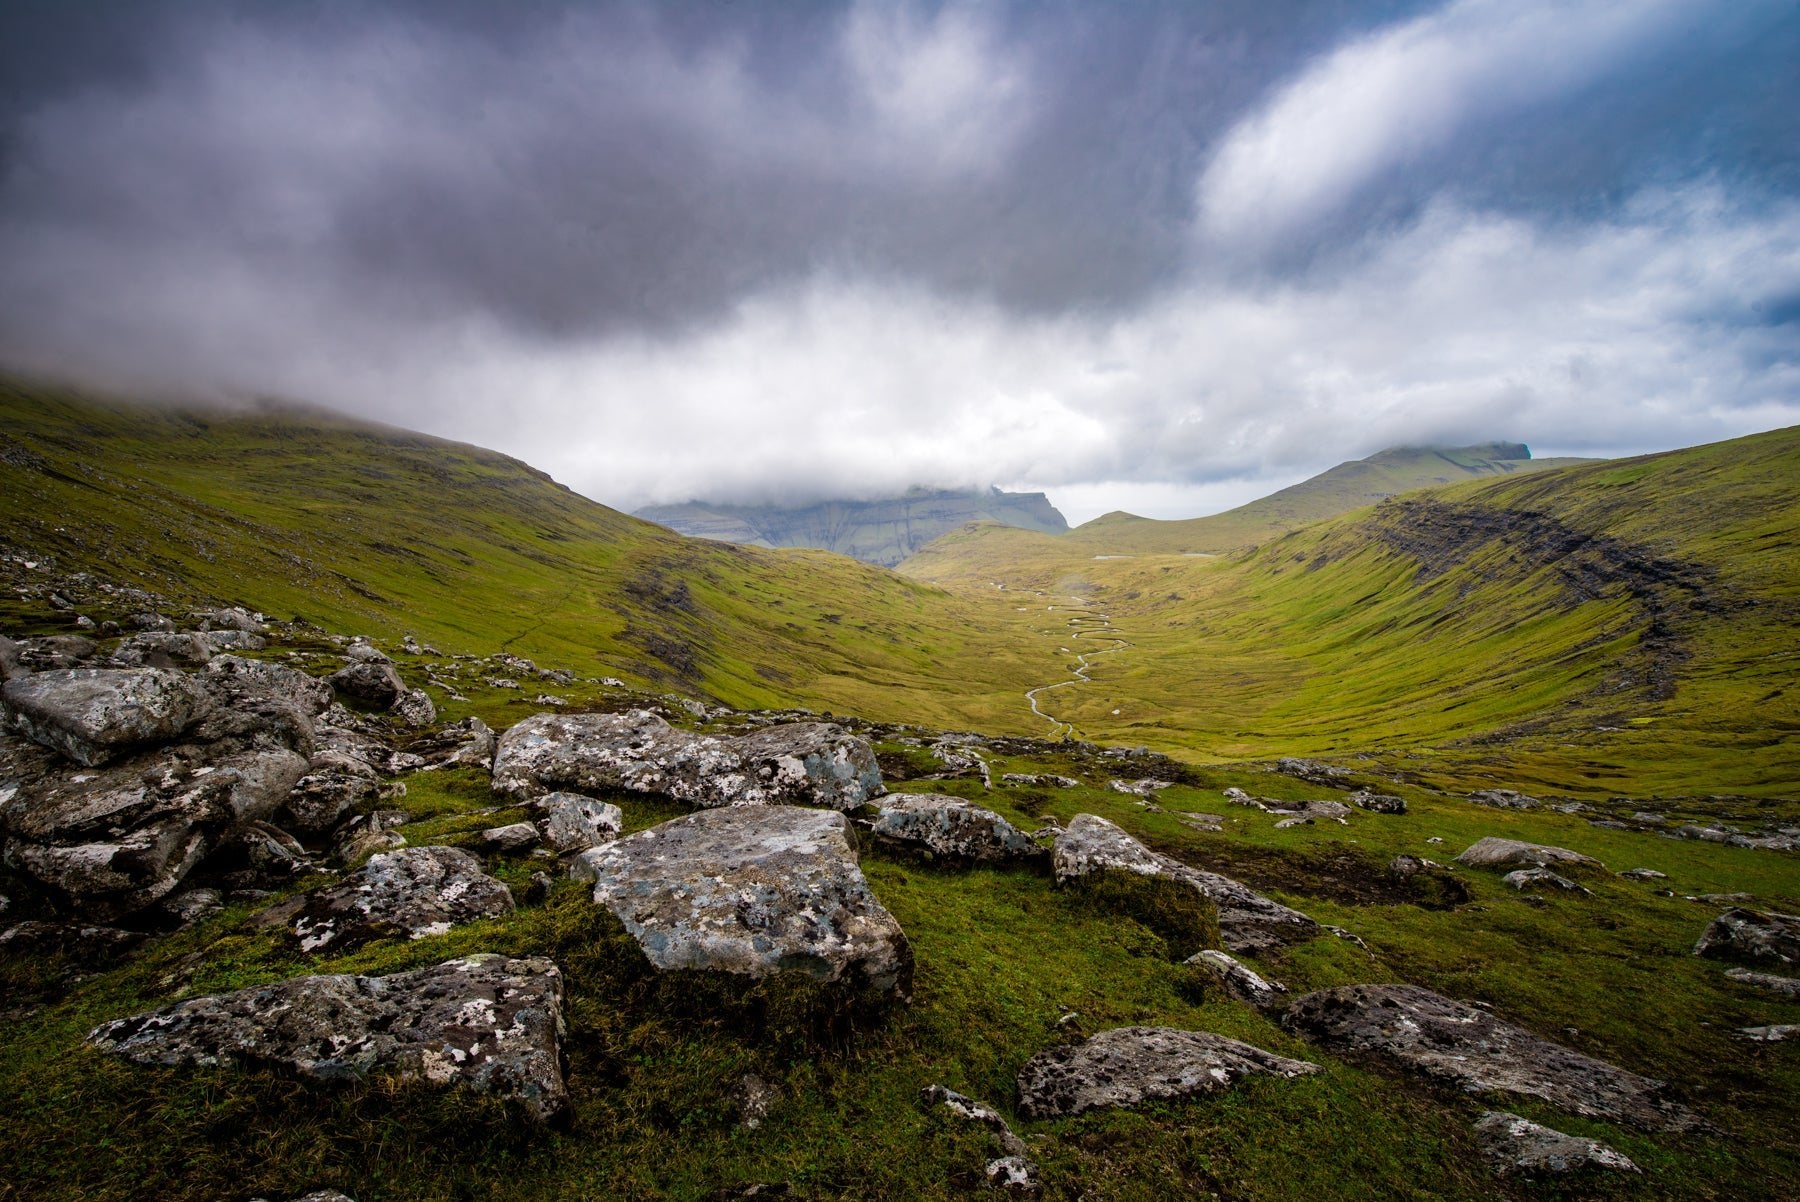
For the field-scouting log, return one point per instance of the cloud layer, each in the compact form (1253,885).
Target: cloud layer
(1149,256)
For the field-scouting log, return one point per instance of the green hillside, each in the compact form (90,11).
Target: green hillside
(367,529)
(1338,490)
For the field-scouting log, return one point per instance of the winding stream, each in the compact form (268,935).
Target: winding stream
(1086,623)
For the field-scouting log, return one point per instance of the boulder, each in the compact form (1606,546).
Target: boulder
(950,828)
(1378,803)
(164,649)
(1248,921)
(511,839)
(1789,986)
(1493,852)
(1504,799)
(95,715)
(1038,779)
(415,708)
(752,891)
(55,652)
(1475,1051)
(465,744)
(1543,878)
(321,800)
(1644,874)
(1128,1066)
(1740,934)
(232,619)
(371,682)
(11,660)
(572,822)
(261,704)
(1517,1145)
(1240,980)
(117,838)
(1779,1033)
(485,1023)
(801,763)
(1311,770)
(414,891)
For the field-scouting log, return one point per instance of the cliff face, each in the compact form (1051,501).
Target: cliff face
(882,532)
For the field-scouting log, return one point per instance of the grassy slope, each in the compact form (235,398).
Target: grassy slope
(1427,625)
(1339,490)
(369,529)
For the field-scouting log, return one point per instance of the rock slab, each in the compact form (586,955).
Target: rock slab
(1494,852)
(1248,921)
(95,715)
(1742,934)
(1127,1066)
(414,891)
(951,828)
(752,891)
(486,1023)
(1518,1145)
(1431,1034)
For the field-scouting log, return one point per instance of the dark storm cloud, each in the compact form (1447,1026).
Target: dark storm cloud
(844,248)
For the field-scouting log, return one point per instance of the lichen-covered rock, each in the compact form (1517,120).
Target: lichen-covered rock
(164,649)
(260,704)
(1494,852)
(95,715)
(1128,1066)
(1543,878)
(1378,803)
(465,744)
(1790,986)
(951,828)
(1504,799)
(415,708)
(1248,921)
(1517,1145)
(117,838)
(373,682)
(572,822)
(485,1023)
(801,763)
(1740,934)
(1475,1051)
(1013,1169)
(234,618)
(413,891)
(321,800)
(1240,980)
(752,891)
(511,839)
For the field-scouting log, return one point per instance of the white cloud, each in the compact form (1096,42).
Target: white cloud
(1391,98)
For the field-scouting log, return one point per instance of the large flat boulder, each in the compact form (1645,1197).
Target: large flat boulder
(801,763)
(1248,921)
(414,892)
(1128,1066)
(950,828)
(1741,934)
(1495,852)
(95,715)
(753,891)
(485,1023)
(1469,1048)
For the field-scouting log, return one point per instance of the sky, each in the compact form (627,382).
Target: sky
(1163,257)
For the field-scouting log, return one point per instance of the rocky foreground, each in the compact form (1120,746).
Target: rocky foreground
(146,784)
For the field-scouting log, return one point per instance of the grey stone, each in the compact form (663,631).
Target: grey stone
(1147,787)
(415,892)
(1287,822)
(55,652)
(1644,874)
(1240,980)
(1017,1174)
(415,708)
(218,641)
(1504,799)
(1775,1034)
(321,800)
(572,822)
(752,891)
(1752,935)
(233,619)
(803,763)
(1517,1145)
(193,905)
(1311,770)
(368,833)
(1404,865)
(1543,878)
(261,704)
(951,828)
(511,839)
(1039,778)
(164,649)
(465,744)
(95,715)
(271,857)
(1378,803)
(88,943)
(11,660)
(485,1023)
(1127,1066)
(1248,921)
(1469,1048)
(1493,852)
(1764,980)
(149,621)
(373,682)
(1013,1170)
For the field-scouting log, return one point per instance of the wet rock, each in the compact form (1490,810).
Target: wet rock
(1469,1048)
(1740,934)
(95,715)
(1764,980)
(1378,803)
(572,822)
(1504,799)
(1493,852)
(810,763)
(1240,980)
(511,839)
(1517,1145)
(1127,1066)
(485,1023)
(752,891)
(1248,921)
(414,892)
(1543,878)
(951,828)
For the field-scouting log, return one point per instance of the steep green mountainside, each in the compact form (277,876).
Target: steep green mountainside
(882,532)
(1624,627)
(1345,487)
(364,528)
